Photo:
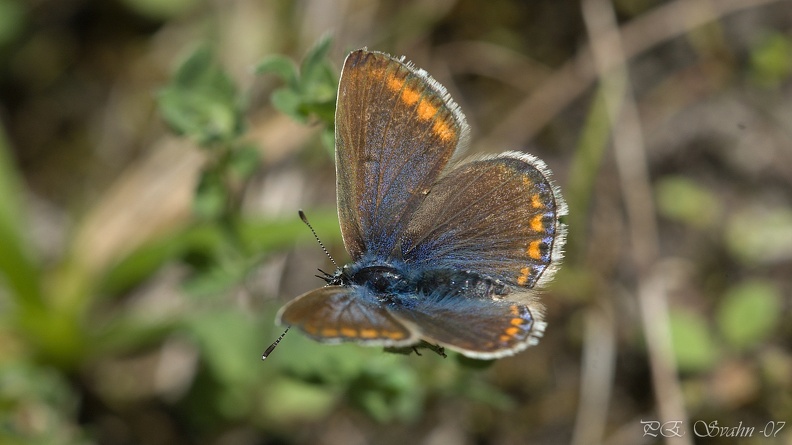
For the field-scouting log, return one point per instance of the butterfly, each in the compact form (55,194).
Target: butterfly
(444,251)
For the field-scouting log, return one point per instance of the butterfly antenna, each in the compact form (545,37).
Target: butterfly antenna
(305,220)
(272,347)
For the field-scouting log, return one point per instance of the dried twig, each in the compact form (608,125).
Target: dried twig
(610,60)
(575,77)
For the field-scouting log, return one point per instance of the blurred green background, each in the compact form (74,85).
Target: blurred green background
(153,155)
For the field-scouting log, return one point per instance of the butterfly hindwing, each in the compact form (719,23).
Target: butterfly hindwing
(334,314)
(396,129)
(497,216)
(476,327)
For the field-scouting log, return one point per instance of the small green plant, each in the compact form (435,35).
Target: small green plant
(309,91)
(745,317)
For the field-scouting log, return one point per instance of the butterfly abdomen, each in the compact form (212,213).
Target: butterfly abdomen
(462,283)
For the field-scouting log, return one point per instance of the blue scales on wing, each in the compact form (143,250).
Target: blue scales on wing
(498,217)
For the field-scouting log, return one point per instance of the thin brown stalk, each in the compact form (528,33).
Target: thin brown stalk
(575,77)
(610,60)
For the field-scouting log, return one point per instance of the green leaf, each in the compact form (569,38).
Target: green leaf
(18,268)
(140,264)
(387,393)
(288,401)
(244,161)
(161,9)
(211,196)
(584,171)
(323,108)
(201,70)
(38,405)
(760,235)
(201,101)
(693,345)
(483,392)
(288,102)
(309,94)
(771,60)
(749,313)
(334,365)
(683,200)
(215,280)
(328,139)
(317,78)
(128,332)
(266,236)
(147,259)
(13,18)
(259,236)
(280,66)
(230,342)
(314,65)
(473,363)
(318,83)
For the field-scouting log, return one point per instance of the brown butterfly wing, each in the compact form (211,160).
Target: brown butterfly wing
(396,129)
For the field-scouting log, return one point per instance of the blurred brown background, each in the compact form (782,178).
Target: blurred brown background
(125,320)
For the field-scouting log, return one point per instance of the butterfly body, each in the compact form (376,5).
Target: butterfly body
(443,251)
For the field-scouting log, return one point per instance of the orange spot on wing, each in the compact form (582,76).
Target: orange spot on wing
(426,110)
(512,331)
(442,130)
(504,338)
(517,322)
(375,73)
(330,332)
(394,83)
(534,252)
(349,332)
(368,333)
(410,96)
(522,280)
(394,335)
(536,201)
(514,310)
(536,223)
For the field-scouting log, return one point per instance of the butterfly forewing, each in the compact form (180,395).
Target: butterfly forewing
(396,129)
(498,217)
